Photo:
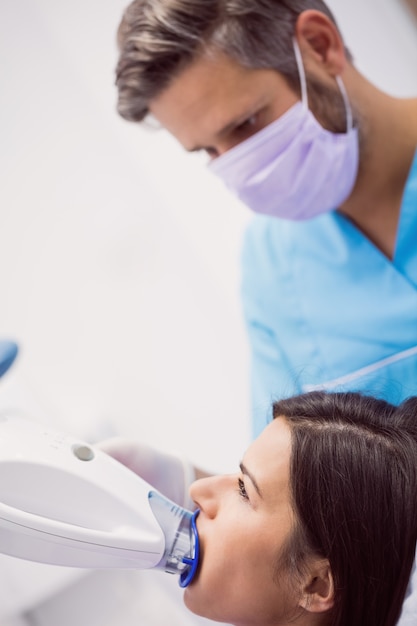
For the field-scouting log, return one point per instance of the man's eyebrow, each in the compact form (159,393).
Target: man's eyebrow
(246,472)
(219,133)
(232,124)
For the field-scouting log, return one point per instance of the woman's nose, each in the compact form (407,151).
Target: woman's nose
(206,494)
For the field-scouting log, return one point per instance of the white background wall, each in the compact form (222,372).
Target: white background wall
(119,267)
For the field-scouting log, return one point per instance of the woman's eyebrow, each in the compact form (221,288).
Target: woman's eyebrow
(247,473)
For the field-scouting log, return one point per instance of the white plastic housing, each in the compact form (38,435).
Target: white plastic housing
(66,503)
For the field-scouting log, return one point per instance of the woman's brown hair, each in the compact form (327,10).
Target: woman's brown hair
(354,489)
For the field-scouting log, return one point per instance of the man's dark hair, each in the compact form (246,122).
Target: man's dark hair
(159,38)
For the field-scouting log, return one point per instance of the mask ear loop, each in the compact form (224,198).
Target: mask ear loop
(348,108)
(303,85)
(301,72)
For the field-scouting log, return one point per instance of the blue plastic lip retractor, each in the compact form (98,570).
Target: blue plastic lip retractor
(188,574)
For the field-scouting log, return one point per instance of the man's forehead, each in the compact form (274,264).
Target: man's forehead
(210,94)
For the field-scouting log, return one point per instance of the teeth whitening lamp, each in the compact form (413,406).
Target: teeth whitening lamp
(65,502)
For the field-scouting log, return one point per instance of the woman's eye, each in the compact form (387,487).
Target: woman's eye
(242,489)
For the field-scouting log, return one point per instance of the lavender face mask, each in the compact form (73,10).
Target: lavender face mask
(293,168)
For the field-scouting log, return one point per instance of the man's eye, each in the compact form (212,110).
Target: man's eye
(242,489)
(247,125)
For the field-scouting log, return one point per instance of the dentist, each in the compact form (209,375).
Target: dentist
(328,162)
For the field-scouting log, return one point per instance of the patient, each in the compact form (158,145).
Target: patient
(319,526)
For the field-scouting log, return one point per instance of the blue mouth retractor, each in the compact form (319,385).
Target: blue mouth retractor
(189,573)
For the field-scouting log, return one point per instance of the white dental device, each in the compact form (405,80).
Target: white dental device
(67,503)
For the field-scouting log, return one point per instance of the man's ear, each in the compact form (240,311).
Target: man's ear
(318,590)
(320,42)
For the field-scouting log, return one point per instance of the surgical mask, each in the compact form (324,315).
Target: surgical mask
(293,168)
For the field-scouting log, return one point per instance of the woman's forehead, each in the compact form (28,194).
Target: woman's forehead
(268,458)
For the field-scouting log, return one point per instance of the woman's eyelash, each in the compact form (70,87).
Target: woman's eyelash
(242,490)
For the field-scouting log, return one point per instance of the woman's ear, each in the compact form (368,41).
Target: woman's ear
(318,590)
(320,42)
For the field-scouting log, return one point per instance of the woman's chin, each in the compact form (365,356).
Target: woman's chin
(195,601)
(190,600)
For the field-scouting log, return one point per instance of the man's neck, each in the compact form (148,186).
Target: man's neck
(388,141)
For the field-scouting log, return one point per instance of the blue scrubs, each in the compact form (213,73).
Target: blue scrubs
(326,309)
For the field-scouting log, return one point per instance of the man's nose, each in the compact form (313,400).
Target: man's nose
(221,147)
(218,150)
(225,146)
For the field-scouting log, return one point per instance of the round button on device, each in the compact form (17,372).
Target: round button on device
(83,452)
